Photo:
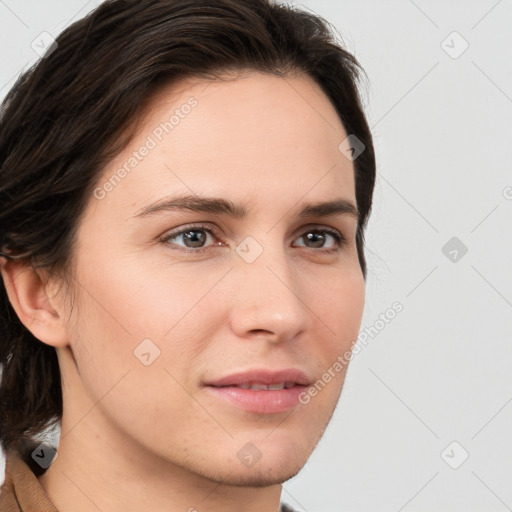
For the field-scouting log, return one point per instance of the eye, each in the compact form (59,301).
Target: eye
(318,237)
(194,239)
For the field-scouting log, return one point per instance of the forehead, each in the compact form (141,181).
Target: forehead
(254,108)
(245,136)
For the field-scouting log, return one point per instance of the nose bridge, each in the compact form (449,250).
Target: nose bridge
(268,295)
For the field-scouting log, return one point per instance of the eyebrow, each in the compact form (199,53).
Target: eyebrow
(218,205)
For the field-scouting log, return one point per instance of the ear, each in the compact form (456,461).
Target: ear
(27,291)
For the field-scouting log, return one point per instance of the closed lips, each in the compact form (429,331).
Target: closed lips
(262,379)
(264,387)
(260,391)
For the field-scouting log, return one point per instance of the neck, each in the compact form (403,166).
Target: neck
(100,467)
(91,472)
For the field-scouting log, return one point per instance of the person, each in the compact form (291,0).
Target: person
(185,186)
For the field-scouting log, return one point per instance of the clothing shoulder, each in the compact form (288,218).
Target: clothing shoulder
(22,491)
(286,508)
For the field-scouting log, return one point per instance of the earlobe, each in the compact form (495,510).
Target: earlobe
(28,295)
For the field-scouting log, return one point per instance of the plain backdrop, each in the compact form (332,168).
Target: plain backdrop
(425,416)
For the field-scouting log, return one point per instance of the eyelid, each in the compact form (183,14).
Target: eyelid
(190,227)
(340,239)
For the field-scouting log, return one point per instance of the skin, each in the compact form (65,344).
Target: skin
(151,438)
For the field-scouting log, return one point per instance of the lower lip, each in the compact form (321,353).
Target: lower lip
(259,401)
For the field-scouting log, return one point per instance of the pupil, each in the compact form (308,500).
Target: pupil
(191,236)
(196,238)
(316,238)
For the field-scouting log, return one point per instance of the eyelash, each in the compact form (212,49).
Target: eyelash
(338,237)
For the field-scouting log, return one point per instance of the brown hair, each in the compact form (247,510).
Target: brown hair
(69,114)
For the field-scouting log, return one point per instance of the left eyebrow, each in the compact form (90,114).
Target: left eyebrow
(218,205)
(329,208)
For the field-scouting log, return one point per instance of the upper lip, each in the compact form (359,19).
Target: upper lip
(262,376)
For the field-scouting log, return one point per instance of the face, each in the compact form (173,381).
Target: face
(193,318)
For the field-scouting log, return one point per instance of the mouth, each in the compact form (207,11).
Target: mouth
(258,386)
(260,391)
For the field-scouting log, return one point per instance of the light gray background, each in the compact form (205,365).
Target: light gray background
(440,371)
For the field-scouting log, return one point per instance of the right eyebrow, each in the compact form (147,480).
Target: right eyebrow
(218,205)
(195,203)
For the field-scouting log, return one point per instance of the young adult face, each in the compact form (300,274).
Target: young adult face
(256,296)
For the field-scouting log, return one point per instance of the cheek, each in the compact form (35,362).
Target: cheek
(127,312)
(339,304)
(137,375)
(342,305)
(142,299)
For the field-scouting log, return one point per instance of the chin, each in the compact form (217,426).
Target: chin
(277,460)
(262,480)
(259,475)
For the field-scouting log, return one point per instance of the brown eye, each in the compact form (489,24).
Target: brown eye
(317,238)
(192,238)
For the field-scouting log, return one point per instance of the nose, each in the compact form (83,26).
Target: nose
(268,300)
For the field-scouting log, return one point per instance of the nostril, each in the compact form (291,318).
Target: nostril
(261,331)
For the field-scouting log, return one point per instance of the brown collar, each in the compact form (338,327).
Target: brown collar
(22,491)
